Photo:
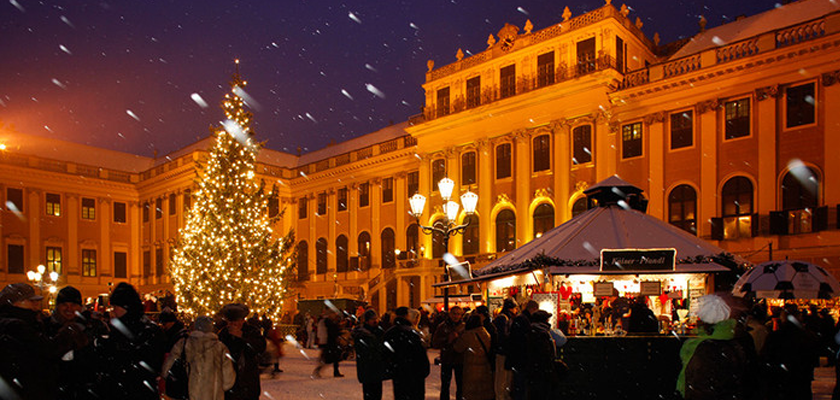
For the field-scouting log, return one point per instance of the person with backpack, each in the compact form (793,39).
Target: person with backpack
(245,343)
(211,370)
(475,344)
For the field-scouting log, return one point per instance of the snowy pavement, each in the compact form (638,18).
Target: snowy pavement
(297,383)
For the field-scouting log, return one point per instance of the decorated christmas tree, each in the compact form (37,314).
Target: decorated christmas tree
(227,252)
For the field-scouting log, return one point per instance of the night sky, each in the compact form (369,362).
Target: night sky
(140,76)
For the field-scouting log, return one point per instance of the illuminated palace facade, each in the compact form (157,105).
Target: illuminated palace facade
(730,134)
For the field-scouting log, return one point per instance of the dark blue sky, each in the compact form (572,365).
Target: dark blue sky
(122,74)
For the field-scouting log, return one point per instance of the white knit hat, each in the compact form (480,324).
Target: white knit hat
(712,309)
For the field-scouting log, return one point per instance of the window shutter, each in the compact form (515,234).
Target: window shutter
(717,228)
(820,218)
(778,223)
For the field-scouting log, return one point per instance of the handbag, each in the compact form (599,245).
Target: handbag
(177,382)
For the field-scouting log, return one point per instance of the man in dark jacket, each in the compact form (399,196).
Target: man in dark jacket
(331,352)
(245,343)
(503,377)
(451,361)
(172,327)
(406,358)
(539,356)
(792,353)
(132,355)
(29,363)
(515,350)
(370,362)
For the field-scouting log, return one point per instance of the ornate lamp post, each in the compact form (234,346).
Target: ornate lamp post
(448,227)
(40,279)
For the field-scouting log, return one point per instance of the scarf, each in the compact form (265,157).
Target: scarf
(723,330)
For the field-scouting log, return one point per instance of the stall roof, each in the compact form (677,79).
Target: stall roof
(575,246)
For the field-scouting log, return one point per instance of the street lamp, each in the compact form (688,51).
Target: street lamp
(40,279)
(449,226)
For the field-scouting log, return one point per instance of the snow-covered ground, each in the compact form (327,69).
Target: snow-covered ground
(296,382)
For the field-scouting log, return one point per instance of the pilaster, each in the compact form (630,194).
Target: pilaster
(331,249)
(35,211)
(375,192)
(425,241)
(485,193)
(831,94)
(73,261)
(766,135)
(606,148)
(400,201)
(106,258)
(708,138)
(656,164)
(135,223)
(562,170)
(522,174)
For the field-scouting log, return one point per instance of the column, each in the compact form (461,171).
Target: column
(353,231)
(831,93)
(135,256)
(656,164)
(425,175)
(35,210)
(562,169)
(485,193)
(453,171)
(606,148)
(522,180)
(401,202)
(72,260)
(105,265)
(708,166)
(375,197)
(766,135)
(313,237)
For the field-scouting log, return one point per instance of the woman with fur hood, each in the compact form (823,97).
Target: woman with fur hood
(211,368)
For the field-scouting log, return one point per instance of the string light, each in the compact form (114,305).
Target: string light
(227,251)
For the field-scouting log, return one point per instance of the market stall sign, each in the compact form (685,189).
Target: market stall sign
(638,260)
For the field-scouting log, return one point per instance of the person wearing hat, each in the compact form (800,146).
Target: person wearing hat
(28,359)
(715,364)
(132,354)
(245,343)
(211,370)
(172,327)
(503,378)
(475,344)
(370,364)
(515,350)
(540,354)
(407,362)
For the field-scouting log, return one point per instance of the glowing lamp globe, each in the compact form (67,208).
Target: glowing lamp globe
(469,200)
(417,203)
(445,186)
(451,210)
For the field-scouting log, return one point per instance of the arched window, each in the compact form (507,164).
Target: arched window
(579,207)
(341,254)
(505,231)
(364,251)
(737,206)
(470,239)
(439,245)
(542,153)
(543,219)
(303,261)
(321,256)
(412,240)
(682,208)
(800,196)
(388,256)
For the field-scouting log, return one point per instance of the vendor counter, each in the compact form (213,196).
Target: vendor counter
(621,367)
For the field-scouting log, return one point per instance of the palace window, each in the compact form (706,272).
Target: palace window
(682,208)
(119,212)
(303,261)
(341,254)
(474,92)
(631,140)
(88,262)
(120,264)
(412,240)
(187,200)
(586,56)
(503,161)
(800,105)
(737,118)
(682,129)
(273,206)
(800,197)
(619,54)
(172,204)
(543,219)
(15,197)
(412,183)
(443,102)
(438,171)
(88,208)
(468,168)
(579,207)
(470,239)
(507,81)
(53,204)
(737,208)
(505,231)
(389,259)
(322,203)
(159,262)
(387,190)
(54,259)
(364,194)
(542,153)
(321,256)
(14,258)
(147,263)
(582,144)
(364,251)
(342,199)
(158,208)
(545,69)
(146,207)
(302,208)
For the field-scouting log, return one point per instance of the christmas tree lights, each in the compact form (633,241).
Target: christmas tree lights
(227,252)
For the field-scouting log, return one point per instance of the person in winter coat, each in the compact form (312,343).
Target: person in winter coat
(370,360)
(211,368)
(451,362)
(406,360)
(331,352)
(172,327)
(716,364)
(792,352)
(540,354)
(245,343)
(29,363)
(132,355)
(515,350)
(309,323)
(503,377)
(475,345)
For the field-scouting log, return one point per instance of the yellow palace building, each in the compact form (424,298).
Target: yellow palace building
(733,134)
